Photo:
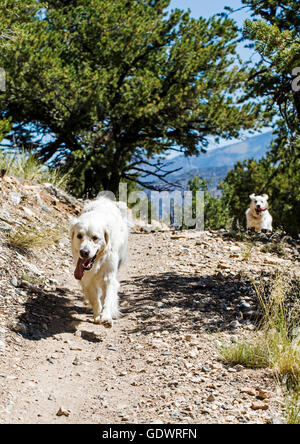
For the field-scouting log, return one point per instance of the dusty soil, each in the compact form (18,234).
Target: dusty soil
(182,296)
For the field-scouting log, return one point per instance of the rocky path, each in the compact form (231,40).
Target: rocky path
(182,296)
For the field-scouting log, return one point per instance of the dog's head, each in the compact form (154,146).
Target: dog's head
(89,242)
(259,203)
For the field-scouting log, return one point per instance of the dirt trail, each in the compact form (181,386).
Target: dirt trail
(159,362)
(182,296)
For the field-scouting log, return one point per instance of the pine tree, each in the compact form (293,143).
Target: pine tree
(109,86)
(275,33)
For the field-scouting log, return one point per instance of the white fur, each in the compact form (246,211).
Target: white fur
(104,230)
(262,220)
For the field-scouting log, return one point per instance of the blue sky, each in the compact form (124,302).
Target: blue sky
(205,8)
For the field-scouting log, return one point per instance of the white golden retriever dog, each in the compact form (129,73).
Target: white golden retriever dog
(99,245)
(258,216)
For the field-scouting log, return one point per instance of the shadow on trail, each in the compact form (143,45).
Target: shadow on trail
(172,302)
(50,313)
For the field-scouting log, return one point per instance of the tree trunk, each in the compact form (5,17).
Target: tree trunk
(296,97)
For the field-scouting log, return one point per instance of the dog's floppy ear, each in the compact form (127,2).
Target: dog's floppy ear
(73,222)
(265,196)
(107,239)
(252,196)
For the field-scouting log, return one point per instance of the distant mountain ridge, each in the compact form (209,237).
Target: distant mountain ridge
(215,163)
(253,147)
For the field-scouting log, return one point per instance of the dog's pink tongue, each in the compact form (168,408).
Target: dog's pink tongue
(79,270)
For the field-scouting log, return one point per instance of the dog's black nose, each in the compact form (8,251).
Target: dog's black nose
(257,206)
(84,253)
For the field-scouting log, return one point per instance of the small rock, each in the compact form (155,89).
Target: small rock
(21,328)
(206,368)
(45,208)
(259,406)
(223,265)
(28,212)
(31,287)
(6,217)
(234,324)
(4,226)
(248,391)
(235,249)
(244,305)
(14,281)
(193,353)
(261,394)
(276,420)
(51,397)
(62,412)
(271,261)
(15,198)
(76,361)
(211,398)
(239,367)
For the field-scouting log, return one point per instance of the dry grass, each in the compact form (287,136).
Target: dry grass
(274,248)
(25,166)
(278,343)
(292,408)
(246,250)
(25,238)
(250,354)
(33,279)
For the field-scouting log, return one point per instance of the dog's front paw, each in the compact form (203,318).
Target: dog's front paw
(97,319)
(107,321)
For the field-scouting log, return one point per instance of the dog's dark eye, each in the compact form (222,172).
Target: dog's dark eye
(79,236)
(95,238)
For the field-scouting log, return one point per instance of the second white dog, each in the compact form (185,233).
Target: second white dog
(99,245)
(258,216)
